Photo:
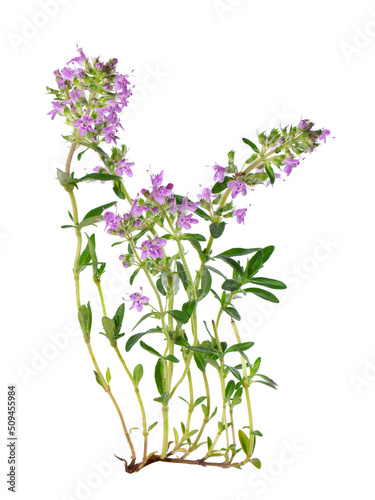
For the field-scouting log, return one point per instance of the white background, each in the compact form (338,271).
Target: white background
(206,73)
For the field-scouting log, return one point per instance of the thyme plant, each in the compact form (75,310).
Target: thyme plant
(153,229)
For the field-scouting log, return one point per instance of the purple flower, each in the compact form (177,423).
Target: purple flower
(109,133)
(74,94)
(121,82)
(172,206)
(99,66)
(84,125)
(112,221)
(138,300)
(238,186)
(124,167)
(219,173)
(67,74)
(187,205)
(125,263)
(206,195)
(290,163)
(159,192)
(137,210)
(240,215)
(302,124)
(280,140)
(153,248)
(81,59)
(325,133)
(185,221)
(58,108)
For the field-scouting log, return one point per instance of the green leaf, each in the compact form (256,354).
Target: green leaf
(189,236)
(179,316)
(200,361)
(85,319)
(95,148)
(270,172)
(267,252)
(163,399)
(196,245)
(200,400)
(232,263)
(206,283)
(118,318)
(251,144)
(205,350)
(152,426)
(133,276)
(269,283)
(220,186)
(98,177)
(98,379)
(95,212)
(243,346)
(254,264)
(108,376)
(143,318)
(159,376)
(79,155)
(92,244)
(159,286)
(256,366)
(109,328)
(217,230)
(150,349)
(188,308)
(234,372)
(182,274)
(232,311)
(172,358)
(245,442)
(256,462)
(117,190)
(134,338)
(237,252)
(267,379)
(138,374)
(216,271)
(263,294)
(229,388)
(63,177)
(230,285)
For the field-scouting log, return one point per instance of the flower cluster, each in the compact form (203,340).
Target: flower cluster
(91,94)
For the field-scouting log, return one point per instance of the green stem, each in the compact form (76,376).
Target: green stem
(78,299)
(246,385)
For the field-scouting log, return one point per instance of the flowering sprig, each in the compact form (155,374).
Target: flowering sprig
(152,229)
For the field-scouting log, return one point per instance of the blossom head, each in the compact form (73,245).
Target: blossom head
(290,163)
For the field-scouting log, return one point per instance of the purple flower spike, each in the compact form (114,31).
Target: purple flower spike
(153,248)
(238,186)
(185,221)
(290,163)
(325,133)
(240,214)
(219,173)
(138,300)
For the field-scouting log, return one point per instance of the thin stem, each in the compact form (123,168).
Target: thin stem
(78,298)
(108,390)
(246,385)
